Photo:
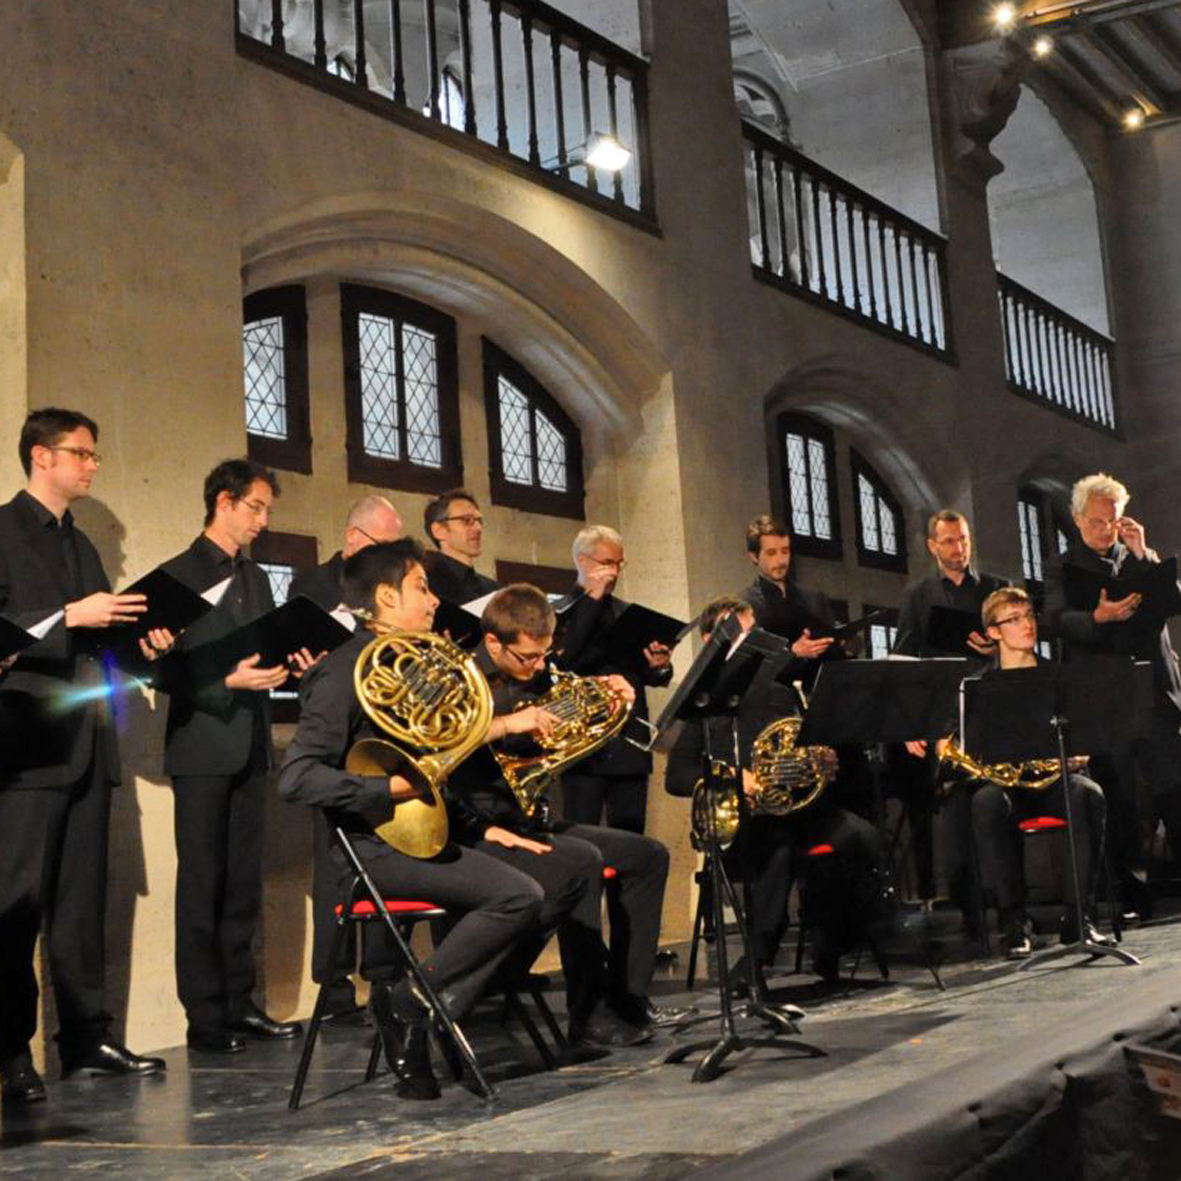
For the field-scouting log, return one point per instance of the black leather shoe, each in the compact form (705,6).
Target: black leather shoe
(1018,945)
(1091,933)
(214,1039)
(662,1016)
(111,1058)
(602,1030)
(20,1083)
(405,1042)
(253,1022)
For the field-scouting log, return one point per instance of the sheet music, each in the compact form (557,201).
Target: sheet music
(217,591)
(476,606)
(344,617)
(42,629)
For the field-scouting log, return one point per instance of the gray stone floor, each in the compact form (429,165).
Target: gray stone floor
(621,1116)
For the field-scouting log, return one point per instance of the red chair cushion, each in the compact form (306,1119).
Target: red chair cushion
(364,908)
(1041,824)
(609,872)
(820,850)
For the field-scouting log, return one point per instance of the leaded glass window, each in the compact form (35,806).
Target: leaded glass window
(274,372)
(536,450)
(808,467)
(401,392)
(881,640)
(1031,539)
(881,539)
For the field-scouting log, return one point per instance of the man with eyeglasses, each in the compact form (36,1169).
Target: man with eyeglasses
(453,521)
(608,1004)
(1110,543)
(614,780)
(1011,624)
(217,749)
(372,520)
(59,760)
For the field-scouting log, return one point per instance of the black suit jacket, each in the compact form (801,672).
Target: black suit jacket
(580,649)
(324,585)
(454,582)
(914,616)
(1082,636)
(42,744)
(213,730)
(331,720)
(787,615)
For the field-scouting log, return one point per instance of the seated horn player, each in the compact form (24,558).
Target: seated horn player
(496,906)
(1004,795)
(607,1001)
(774,832)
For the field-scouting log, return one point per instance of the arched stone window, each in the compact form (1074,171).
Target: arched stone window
(535,448)
(275,375)
(401,392)
(807,460)
(881,529)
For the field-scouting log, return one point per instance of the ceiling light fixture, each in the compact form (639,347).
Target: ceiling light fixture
(1004,17)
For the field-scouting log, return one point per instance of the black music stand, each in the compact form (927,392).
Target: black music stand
(1014,715)
(714,688)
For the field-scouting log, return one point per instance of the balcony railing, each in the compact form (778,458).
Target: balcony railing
(513,80)
(824,239)
(1055,358)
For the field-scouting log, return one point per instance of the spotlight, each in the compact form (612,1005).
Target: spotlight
(1134,119)
(1042,47)
(606,152)
(1004,17)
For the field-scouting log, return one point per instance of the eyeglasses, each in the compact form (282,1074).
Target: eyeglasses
(81,454)
(1024,617)
(618,563)
(1101,522)
(468,519)
(529,658)
(257,507)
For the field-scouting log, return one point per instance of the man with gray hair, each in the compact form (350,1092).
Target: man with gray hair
(372,519)
(1108,543)
(614,778)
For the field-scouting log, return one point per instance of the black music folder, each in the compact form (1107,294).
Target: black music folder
(1157,582)
(461,625)
(639,626)
(13,638)
(948,628)
(299,623)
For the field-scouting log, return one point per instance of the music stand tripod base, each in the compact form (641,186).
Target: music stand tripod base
(1093,951)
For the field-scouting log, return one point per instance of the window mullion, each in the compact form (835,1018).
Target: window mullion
(534,454)
(400,393)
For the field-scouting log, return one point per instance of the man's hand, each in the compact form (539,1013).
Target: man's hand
(510,840)
(981,644)
(1115,610)
(750,785)
(917,747)
(808,649)
(102,609)
(599,580)
(658,655)
(158,641)
(530,720)
(1077,762)
(402,789)
(1131,533)
(7,663)
(622,686)
(247,675)
(299,662)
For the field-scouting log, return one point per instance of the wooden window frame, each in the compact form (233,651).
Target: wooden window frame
(531,498)
(860,466)
(293,454)
(809,428)
(301,551)
(400,474)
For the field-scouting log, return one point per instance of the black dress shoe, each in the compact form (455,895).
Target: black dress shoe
(404,1038)
(253,1022)
(214,1039)
(603,1030)
(1091,933)
(111,1058)
(662,1016)
(416,1079)
(19,1081)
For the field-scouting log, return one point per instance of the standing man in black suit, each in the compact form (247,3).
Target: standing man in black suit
(1111,543)
(373,519)
(59,760)
(217,749)
(956,583)
(615,778)
(453,521)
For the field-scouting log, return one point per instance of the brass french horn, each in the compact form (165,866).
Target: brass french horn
(589,712)
(429,695)
(1032,775)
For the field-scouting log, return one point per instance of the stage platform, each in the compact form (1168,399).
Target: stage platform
(1006,1074)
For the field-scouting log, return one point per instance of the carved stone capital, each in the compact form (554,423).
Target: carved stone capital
(985,85)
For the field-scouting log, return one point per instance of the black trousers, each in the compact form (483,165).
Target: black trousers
(995,814)
(218,821)
(496,908)
(587,798)
(53,874)
(572,877)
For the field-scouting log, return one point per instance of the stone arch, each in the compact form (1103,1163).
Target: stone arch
(536,302)
(14,369)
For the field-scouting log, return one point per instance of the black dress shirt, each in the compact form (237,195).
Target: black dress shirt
(324,585)
(62,549)
(456,582)
(914,616)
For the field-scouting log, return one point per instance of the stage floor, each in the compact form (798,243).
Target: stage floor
(624,1116)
